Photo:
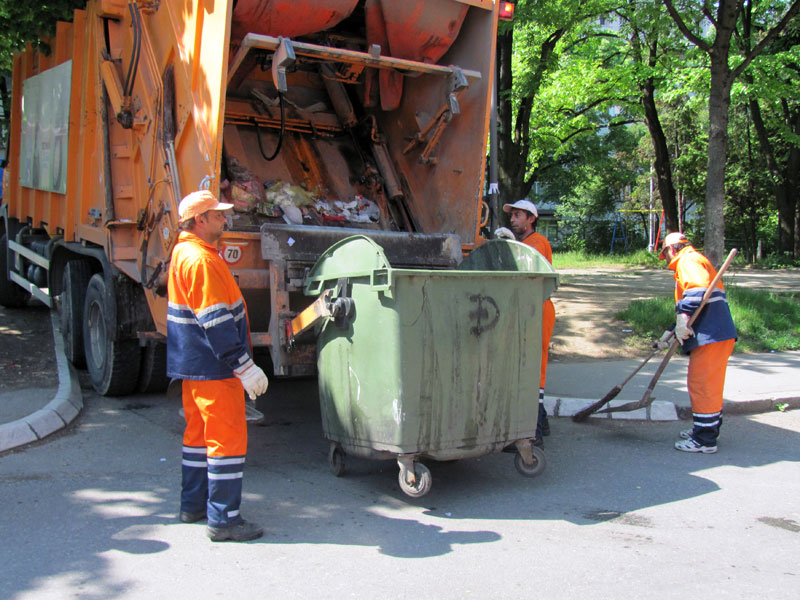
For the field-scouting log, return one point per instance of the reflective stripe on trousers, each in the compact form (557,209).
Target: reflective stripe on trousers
(214,448)
(706,381)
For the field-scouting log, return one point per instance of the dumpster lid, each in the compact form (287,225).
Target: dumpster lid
(506,255)
(355,256)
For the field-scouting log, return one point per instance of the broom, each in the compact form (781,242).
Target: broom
(583,414)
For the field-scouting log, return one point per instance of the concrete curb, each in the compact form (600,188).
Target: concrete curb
(760,405)
(663,410)
(58,413)
(659,410)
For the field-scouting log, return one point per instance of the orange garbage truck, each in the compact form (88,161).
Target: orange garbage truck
(317,119)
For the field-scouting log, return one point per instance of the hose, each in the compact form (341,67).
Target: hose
(280,135)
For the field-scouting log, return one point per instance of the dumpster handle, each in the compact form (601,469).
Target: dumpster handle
(380,280)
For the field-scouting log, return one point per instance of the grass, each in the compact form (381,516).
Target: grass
(765,321)
(583,260)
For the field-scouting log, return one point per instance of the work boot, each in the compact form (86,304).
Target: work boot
(241,532)
(187,516)
(542,424)
(545,426)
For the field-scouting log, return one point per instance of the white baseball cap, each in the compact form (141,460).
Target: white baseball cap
(676,237)
(522,205)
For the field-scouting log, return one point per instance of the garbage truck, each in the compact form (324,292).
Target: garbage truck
(317,119)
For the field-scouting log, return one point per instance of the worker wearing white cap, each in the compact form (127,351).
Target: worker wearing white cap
(709,342)
(524,218)
(208,348)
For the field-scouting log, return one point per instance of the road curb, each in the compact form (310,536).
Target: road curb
(58,413)
(761,405)
(659,410)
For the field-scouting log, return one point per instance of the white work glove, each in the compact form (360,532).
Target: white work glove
(682,330)
(504,233)
(254,380)
(665,340)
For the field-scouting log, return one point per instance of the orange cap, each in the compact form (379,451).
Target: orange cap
(199,202)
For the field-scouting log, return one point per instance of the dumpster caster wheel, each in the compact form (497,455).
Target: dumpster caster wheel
(422,483)
(534,469)
(336,460)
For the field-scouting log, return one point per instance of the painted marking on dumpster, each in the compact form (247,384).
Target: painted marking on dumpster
(485,315)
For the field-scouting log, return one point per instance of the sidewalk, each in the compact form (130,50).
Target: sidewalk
(755,383)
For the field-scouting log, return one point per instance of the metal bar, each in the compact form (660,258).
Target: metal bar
(311,314)
(43,295)
(258,338)
(267,42)
(29,254)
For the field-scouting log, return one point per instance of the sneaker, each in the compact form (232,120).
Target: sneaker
(192,517)
(686,434)
(691,445)
(242,532)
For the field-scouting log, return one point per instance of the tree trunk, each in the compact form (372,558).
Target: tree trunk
(662,166)
(718,104)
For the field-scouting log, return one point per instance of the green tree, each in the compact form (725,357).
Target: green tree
(23,21)
(696,21)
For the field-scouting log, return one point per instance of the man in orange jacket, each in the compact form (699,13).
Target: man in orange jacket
(709,342)
(208,348)
(524,218)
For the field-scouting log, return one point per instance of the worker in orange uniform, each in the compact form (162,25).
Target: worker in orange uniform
(709,342)
(208,348)
(524,217)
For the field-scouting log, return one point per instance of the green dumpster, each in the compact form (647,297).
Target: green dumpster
(442,364)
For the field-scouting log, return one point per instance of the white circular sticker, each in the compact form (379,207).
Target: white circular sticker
(232,253)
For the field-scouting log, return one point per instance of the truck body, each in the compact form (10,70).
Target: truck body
(316,119)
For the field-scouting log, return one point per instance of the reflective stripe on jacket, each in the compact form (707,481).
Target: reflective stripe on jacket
(693,275)
(207,330)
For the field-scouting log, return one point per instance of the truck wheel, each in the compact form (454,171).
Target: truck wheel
(113,364)
(11,295)
(75,280)
(153,374)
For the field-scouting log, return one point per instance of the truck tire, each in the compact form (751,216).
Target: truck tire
(113,365)
(11,295)
(153,373)
(75,281)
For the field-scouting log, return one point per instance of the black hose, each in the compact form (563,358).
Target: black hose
(136,23)
(280,135)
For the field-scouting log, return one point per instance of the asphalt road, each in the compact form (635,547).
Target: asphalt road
(90,513)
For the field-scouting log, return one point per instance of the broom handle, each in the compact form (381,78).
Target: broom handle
(675,343)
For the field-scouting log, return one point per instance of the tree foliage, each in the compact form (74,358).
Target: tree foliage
(683,77)
(23,21)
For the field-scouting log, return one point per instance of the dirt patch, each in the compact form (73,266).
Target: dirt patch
(27,357)
(586,302)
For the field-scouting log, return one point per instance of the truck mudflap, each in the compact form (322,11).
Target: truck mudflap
(306,244)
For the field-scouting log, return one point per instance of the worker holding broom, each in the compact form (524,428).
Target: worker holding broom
(709,342)
(524,218)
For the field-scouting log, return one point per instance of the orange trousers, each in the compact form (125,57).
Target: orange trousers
(548,322)
(215,416)
(706,377)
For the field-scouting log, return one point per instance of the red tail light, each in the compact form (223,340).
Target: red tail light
(506,11)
